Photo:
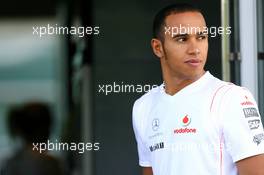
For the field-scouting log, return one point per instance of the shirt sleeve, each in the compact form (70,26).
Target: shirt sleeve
(138,126)
(242,126)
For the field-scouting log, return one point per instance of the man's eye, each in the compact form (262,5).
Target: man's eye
(181,39)
(202,37)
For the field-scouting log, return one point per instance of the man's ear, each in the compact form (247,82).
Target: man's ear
(157,47)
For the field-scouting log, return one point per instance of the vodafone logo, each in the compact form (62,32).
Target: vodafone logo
(184,130)
(185,121)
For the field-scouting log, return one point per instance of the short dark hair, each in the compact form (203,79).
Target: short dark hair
(159,20)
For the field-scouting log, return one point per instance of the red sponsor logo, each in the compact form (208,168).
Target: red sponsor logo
(184,130)
(186,120)
(247,102)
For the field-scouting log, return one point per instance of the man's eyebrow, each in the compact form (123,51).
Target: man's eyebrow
(186,34)
(202,33)
(180,35)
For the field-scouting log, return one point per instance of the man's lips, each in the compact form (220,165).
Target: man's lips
(193,62)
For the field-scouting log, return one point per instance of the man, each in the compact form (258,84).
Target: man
(29,124)
(194,123)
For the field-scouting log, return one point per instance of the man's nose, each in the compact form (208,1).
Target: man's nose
(193,48)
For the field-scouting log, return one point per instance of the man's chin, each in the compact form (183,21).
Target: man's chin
(194,75)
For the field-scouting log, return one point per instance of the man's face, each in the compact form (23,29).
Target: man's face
(185,52)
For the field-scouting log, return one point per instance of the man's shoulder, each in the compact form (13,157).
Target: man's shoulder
(144,102)
(219,85)
(221,90)
(227,92)
(216,82)
(229,87)
(150,95)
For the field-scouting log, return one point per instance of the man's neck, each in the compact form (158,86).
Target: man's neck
(175,84)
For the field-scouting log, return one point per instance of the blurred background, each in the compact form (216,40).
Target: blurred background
(66,71)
